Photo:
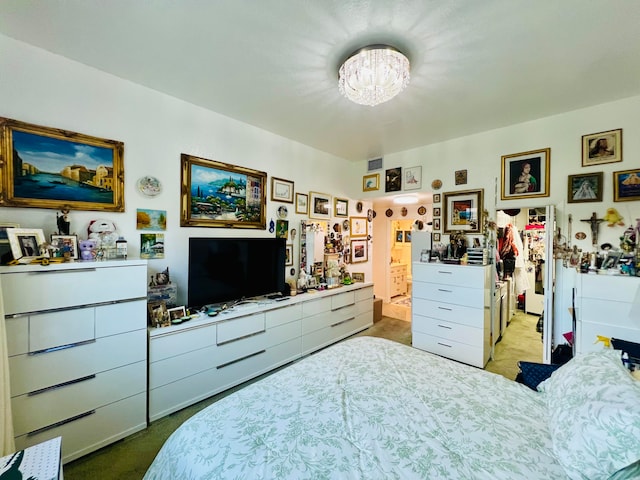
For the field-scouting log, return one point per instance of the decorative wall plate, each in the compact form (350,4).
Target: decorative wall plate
(370,215)
(359,207)
(389,212)
(436,184)
(422,210)
(282,211)
(404,211)
(581,236)
(345,225)
(149,186)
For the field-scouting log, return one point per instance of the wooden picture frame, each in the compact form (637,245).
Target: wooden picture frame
(281,190)
(436,198)
(393,179)
(319,205)
(460,177)
(340,207)
(358,227)
(602,147)
(158,315)
(152,245)
(626,185)
(463,211)
(302,203)
(436,237)
(584,188)
(371,182)
(412,178)
(357,277)
(436,211)
(25,243)
(65,244)
(46,167)
(436,224)
(359,251)
(216,194)
(526,174)
(288,255)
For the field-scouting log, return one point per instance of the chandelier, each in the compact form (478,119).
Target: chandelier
(373,75)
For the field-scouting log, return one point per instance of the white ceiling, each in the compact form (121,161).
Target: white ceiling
(476,64)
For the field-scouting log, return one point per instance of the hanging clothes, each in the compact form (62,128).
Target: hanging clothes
(521,282)
(508,251)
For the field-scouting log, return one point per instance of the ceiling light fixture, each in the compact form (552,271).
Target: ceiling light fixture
(373,75)
(405,200)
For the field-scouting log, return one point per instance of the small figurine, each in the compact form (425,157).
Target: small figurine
(613,218)
(64,225)
(87,249)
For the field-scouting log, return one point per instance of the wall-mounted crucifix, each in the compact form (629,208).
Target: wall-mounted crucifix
(595,223)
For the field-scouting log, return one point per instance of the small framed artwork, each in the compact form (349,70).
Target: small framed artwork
(281,190)
(25,243)
(602,147)
(151,219)
(357,277)
(393,180)
(302,203)
(399,236)
(462,211)
(407,236)
(626,185)
(359,251)
(3,231)
(65,244)
(371,182)
(319,205)
(177,313)
(358,226)
(152,245)
(585,188)
(461,177)
(611,260)
(288,255)
(436,224)
(436,211)
(158,314)
(526,174)
(341,207)
(436,198)
(412,178)
(436,237)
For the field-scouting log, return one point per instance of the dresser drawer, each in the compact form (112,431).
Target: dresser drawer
(609,287)
(180,342)
(473,317)
(335,331)
(283,315)
(363,294)
(61,287)
(458,332)
(451,349)
(470,297)
(617,314)
(121,317)
(587,335)
(54,329)
(314,307)
(236,328)
(341,300)
(441,273)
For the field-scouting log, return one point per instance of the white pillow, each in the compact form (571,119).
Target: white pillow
(594,415)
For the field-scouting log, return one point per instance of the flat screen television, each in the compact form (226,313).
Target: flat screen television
(223,270)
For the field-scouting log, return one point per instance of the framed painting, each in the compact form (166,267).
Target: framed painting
(302,203)
(412,178)
(25,243)
(341,207)
(399,236)
(462,211)
(147,219)
(65,245)
(436,237)
(460,177)
(152,245)
(407,236)
(281,190)
(358,226)
(585,188)
(47,167)
(216,194)
(357,277)
(359,251)
(371,182)
(602,147)
(436,211)
(176,314)
(288,255)
(626,185)
(436,224)
(319,205)
(393,180)
(526,174)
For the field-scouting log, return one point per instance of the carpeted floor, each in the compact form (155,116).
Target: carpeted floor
(129,458)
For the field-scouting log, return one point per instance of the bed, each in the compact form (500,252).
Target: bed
(370,408)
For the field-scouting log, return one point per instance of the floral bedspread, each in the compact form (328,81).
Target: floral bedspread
(367,408)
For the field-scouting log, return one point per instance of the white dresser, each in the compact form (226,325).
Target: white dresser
(76,337)
(451,311)
(199,358)
(606,305)
(397,280)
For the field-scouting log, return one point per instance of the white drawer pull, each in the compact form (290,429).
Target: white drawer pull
(444,345)
(444,326)
(447,309)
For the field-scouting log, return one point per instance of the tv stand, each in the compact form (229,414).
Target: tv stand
(192,361)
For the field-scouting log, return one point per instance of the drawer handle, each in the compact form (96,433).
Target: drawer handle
(61,385)
(41,272)
(442,271)
(444,345)
(447,309)
(240,359)
(443,290)
(343,321)
(241,338)
(340,308)
(60,423)
(445,326)
(63,347)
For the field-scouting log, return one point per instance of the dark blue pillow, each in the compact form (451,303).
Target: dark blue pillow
(531,374)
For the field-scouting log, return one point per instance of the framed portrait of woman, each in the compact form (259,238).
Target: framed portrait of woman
(526,174)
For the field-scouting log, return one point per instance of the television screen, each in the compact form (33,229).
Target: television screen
(224,270)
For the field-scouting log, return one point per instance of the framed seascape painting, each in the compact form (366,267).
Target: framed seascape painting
(602,147)
(585,188)
(216,194)
(626,185)
(526,174)
(462,211)
(47,167)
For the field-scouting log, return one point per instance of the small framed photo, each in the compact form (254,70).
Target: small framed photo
(357,277)
(526,174)
(177,313)
(436,237)
(611,260)
(399,236)
(436,224)
(319,205)
(602,147)
(393,180)
(158,314)
(302,203)
(412,178)
(341,207)
(407,236)
(281,190)
(288,255)
(585,188)
(436,211)
(25,243)
(461,177)
(65,245)
(626,185)
(359,251)
(462,211)
(371,182)
(436,198)
(358,226)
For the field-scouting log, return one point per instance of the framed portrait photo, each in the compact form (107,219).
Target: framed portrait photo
(302,203)
(436,237)
(436,198)
(585,188)
(65,245)
(526,174)
(25,243)
(281,190)
(602,147)
(412,178)
(626,185)
(371,182)
(288,255)
(462,211)
(319,205)
(436,224)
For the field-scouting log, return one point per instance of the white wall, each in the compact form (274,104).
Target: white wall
(45,89)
